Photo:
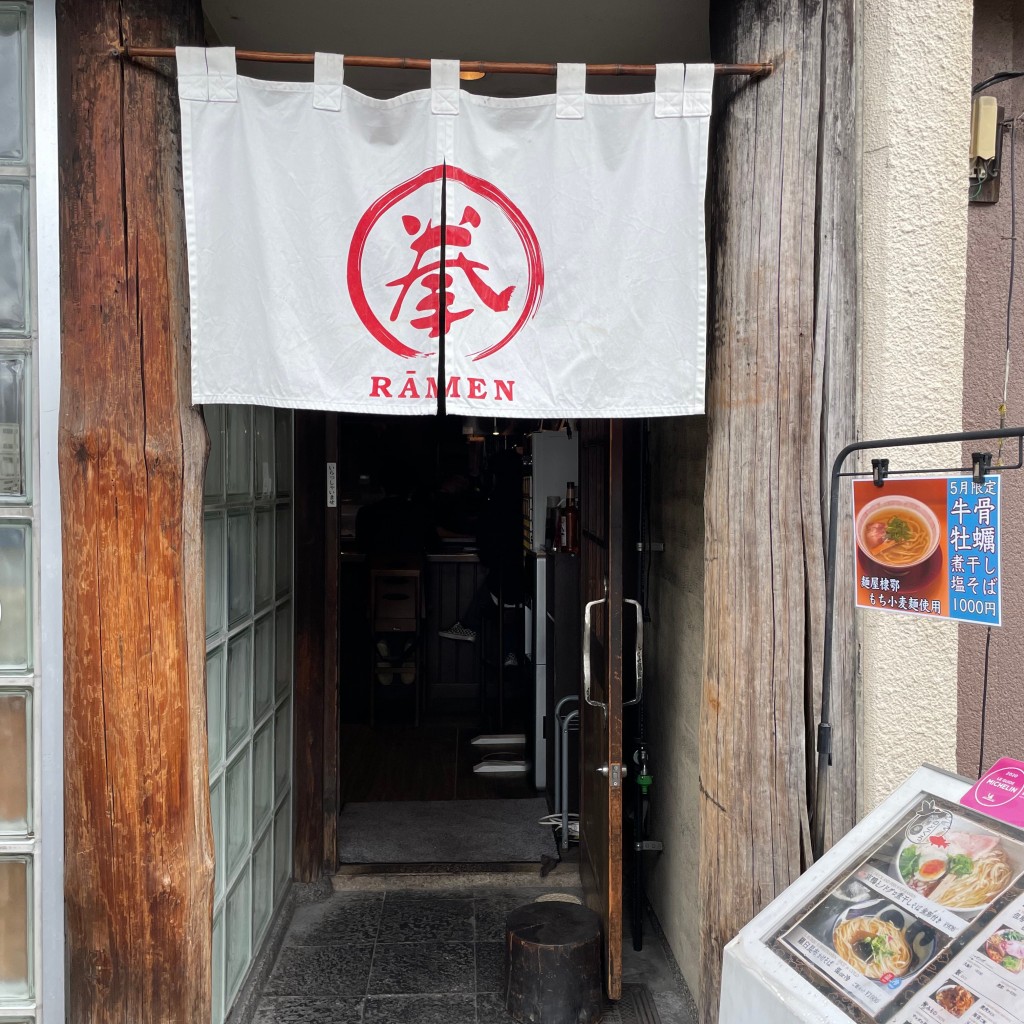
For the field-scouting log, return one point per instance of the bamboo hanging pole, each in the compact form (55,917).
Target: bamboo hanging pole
(487,67)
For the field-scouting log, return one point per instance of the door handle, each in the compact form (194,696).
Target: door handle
(587,630)
(615,774)
(638,654)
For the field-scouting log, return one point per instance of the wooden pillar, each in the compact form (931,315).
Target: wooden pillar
(138,841)
(310,578)
(781,395)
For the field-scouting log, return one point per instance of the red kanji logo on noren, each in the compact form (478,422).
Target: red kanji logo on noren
(489,285)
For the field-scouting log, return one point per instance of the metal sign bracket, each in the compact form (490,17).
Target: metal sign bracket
(981,466)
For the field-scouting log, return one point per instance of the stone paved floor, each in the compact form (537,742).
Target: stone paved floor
(417,957)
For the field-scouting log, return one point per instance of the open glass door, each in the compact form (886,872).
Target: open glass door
(603,555)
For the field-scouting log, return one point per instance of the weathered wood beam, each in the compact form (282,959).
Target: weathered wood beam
(780,403)
(139,846)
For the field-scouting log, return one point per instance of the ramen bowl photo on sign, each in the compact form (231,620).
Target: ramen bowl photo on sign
(962,869)
(896,533)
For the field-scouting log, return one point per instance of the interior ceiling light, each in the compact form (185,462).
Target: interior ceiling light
(471,76)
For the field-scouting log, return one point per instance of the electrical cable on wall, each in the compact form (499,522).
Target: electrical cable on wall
(998,79)
(1009,294)
(1003,76)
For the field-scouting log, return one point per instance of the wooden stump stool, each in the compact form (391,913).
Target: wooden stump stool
(553,964)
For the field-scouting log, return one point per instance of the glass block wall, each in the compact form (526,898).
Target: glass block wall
(248,533)
(20,681)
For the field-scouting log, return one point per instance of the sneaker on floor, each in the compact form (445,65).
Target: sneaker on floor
(511,661)
(457,631)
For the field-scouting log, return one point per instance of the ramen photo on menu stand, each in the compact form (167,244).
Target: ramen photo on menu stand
(901,546)
(873,936)
(961,870)
(862,943)
(956,862)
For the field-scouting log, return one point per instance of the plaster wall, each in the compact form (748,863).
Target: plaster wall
(674,679)
(915,79)
(998,46)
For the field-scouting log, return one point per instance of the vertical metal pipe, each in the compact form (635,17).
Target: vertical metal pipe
(565,777)
(825,723)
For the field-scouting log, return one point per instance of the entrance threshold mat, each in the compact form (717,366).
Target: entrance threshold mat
(444,831)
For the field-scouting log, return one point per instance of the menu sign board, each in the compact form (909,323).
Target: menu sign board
(984,983)
(929,546)
(927,925)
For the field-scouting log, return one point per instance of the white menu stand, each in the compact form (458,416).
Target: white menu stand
(759,985)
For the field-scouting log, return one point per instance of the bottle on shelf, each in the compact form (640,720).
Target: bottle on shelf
(569,521)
